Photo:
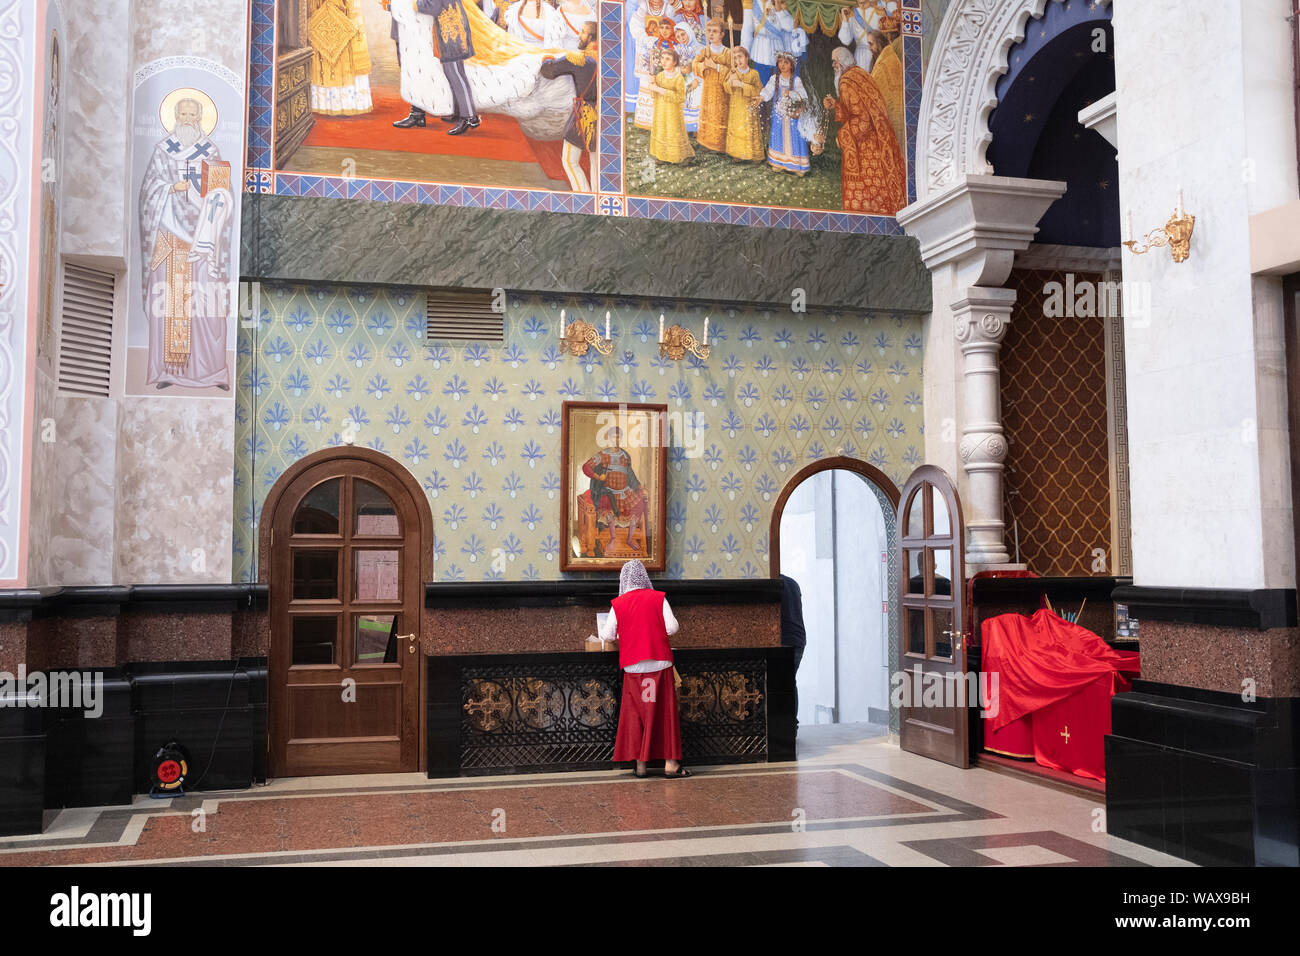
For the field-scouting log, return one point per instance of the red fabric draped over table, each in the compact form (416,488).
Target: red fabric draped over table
(1055,682)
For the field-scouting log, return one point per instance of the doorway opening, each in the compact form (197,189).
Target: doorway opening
(834,532)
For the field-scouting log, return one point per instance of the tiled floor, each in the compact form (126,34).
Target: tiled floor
(852,799)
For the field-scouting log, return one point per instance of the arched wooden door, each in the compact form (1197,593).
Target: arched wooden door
(345,559)
(933,720)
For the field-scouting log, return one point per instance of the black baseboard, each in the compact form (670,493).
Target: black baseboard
(1205,776)
(53,758)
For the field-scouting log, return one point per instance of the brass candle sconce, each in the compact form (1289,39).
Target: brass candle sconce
(577,336)
(1176,234)
(676,341)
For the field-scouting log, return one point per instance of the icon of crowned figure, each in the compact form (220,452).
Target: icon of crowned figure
(616,511)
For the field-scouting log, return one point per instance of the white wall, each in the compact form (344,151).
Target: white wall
(1205,103)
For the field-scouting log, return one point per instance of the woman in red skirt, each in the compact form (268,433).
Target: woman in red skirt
(647,722)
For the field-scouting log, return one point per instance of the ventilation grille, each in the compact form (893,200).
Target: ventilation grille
(86,333)
(463,315)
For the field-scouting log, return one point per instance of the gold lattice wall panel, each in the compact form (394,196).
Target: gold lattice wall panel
(1054,411)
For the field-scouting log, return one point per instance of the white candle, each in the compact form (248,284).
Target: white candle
(1130,222)
(561,323)
(606,326)
(706,330)
(661,326)
(1180,202)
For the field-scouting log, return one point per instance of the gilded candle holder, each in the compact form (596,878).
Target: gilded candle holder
(1176,234)
(677,341)
(578,336)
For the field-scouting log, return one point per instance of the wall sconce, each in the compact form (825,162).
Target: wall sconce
(1176,234)
(677,341)
(577,336)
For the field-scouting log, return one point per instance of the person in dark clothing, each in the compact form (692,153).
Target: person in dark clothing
(792,630)
(416,116)
(580,135)
(453,46)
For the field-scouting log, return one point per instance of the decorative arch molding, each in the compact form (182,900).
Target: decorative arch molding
(345,453)
(874,476)
(887,495)
(968,59)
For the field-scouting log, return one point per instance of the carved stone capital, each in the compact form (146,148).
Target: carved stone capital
(989,328)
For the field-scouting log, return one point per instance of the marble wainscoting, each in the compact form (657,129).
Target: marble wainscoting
(523,630)
(76,483)
(96,71)
(297,239)
(557,616)
(175,491)
(1222,658)
(58,643)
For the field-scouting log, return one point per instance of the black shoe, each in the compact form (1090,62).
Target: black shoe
(466,123)
(453,118)
(416,118)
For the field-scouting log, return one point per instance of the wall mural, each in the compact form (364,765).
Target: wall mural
(479,424)
(740,111)
(186,227)
(47,284)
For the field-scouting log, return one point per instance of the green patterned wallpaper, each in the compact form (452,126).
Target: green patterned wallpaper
(478,424)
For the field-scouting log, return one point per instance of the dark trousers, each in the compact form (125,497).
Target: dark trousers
(460,94)
(798,656)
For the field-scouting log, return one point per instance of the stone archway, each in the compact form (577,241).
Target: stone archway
(970,224)
(969,56)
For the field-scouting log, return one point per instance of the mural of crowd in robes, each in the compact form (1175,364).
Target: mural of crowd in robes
(763,108)
(787,103)
(439,91)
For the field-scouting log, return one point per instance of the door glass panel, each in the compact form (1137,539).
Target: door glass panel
(942,617)
(319,511)
(915,630)
(377,575)
(373,511)
(375,639)
(942,570)
(315,575)
(915,573)
(942,524)
(314,638)
(916,517)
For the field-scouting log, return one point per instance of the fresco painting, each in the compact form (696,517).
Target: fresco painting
(767,104)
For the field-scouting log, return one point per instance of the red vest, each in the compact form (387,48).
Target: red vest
(641,633)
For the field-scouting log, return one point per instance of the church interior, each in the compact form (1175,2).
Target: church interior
(937,359)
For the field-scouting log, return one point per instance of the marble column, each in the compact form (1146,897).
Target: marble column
(980,322)
(969,234)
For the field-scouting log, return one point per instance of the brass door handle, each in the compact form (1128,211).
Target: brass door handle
(406,637)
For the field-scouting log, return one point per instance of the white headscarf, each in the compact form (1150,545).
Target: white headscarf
(632,576)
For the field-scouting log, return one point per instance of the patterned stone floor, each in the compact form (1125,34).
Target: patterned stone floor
(852,799)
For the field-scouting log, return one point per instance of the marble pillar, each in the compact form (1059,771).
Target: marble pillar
(969,233)
(980,320)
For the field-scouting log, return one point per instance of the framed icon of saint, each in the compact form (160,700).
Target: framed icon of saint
(613,485)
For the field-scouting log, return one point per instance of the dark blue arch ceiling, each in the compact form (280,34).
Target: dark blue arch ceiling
(1053,73)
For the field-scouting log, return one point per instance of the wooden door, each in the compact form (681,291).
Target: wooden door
(933,720)
(346,598)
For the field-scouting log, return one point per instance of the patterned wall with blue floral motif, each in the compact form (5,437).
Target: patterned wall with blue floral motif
(478,424)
